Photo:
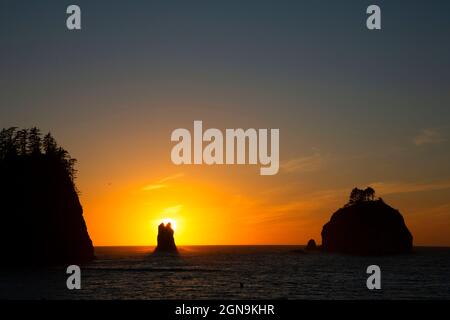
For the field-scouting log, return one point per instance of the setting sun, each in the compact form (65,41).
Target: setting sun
(172,222)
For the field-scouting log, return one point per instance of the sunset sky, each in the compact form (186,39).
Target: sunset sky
(354,108)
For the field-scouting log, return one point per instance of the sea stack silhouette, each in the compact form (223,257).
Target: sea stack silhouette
(42,218)
(166,241)
(365,226)
(311,246)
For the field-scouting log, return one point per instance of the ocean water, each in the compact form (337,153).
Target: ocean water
(217,272)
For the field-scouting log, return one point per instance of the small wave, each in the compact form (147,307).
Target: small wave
(151,269)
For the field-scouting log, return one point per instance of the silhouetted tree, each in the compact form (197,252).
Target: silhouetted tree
(360,195)
(71,168)
(356,196)
(8,142)
(49,144)
(25,143)
(34,141)
(22,140)
(369,194)
(39,205)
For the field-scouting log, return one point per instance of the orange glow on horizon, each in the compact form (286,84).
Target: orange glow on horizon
(225,206)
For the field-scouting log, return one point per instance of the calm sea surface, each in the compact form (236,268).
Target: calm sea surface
(216,272)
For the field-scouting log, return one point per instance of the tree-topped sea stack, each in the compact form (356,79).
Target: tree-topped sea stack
(41,215)
(365,226)
(166,241)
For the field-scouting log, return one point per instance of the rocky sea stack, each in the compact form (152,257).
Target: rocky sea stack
(311,246)
(166,241)
(366,226)
(42,218)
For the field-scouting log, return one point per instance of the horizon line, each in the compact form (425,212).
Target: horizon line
(245,245)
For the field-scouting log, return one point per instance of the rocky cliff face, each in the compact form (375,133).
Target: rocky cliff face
(41,216)
(166,241)
(367,228)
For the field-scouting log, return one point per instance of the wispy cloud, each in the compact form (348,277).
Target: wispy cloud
(172,177)
(401,187)
(429,136)
(151,187)
(303,164)
(313,205)
(162,183)
(308,206)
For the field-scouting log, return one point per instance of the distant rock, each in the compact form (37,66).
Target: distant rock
(166,241)
(311,246)
(366,227)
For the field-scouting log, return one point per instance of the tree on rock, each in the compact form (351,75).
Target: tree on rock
(366,226)
(361,195)
(42,217)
